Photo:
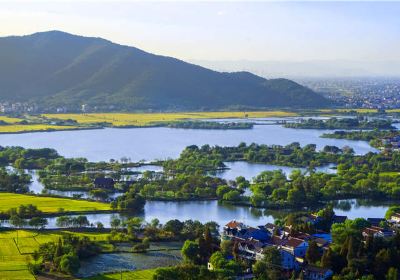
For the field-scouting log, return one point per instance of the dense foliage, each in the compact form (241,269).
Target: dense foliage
(374,137)
(64,255)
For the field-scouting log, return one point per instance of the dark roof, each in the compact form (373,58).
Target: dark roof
(339,219)
(104,181)
(294,242)
(276,240)
(254,233)
(375,221)
(316,269)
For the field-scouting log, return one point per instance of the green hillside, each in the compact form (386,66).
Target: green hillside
(56,69)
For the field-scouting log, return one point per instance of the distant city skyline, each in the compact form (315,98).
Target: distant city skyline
(295,32)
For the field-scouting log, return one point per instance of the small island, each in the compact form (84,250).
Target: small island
(345,123)
(210,125)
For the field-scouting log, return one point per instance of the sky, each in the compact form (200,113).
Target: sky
(223,31)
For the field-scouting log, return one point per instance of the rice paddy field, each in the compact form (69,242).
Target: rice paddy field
(19,128)
(15,253)
(148,119)
(10,119)
(45,122)
(50,204)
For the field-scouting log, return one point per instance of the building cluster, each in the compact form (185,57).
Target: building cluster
(18,107)
(292,245)
(372,93)
(251,243)
(392,142)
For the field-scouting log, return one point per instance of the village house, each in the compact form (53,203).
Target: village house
(339,219)
(239,230)
(377,232)
(251,243)
(104,183)
(375,221)
(295,246)
(395,218)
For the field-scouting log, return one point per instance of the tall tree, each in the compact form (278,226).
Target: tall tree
(190,251)
(312,253)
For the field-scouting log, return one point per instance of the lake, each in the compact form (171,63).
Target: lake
(250,170)
(206,211)
(160,142)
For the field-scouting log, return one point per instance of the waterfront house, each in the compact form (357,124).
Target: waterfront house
(239,230)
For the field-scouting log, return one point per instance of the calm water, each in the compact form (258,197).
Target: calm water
(127,261)
(206,211)
(250,170)
(161,143)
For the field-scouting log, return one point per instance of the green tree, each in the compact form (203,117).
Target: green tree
(190,252)
(312,253)
(392,274)
(218,260)
(17,222)
(69,263)
(268,267)
(38,222)
(232,196)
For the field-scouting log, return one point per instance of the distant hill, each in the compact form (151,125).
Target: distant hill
(57,69)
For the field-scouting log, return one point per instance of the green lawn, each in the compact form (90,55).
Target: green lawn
(16,275)
(14,259)
(13,265)
(137,275)
(50,204)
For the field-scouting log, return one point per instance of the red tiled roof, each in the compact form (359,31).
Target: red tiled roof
(370,231)
(233,224)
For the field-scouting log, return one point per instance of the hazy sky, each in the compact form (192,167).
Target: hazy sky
(288,31)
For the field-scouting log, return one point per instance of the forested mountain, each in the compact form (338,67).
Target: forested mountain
(56,69)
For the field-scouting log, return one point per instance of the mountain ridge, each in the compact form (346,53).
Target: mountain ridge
(56,69)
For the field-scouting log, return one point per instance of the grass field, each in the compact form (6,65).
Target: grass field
(15,253)
(10,119)
(50,204)
(18,128)
(13,265)
(137,275)
(147,119)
